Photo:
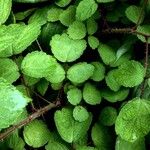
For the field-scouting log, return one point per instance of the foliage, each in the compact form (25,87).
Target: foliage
(85,59)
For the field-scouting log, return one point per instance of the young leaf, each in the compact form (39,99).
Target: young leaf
(124,145)
(9,70)
(86,9)
(74,96)
(62,3)
(111,81)
(113,97)
(107,54)
(67,17)
(91,95)
(99,71)
(5,8)
(57,75)
(86,71)
(80,113)
(12,104)
(108,116)
(101,137)
(130,74)
(38,64)
(77,30)
(93,42)
(69,129)
(53,14)
(92,26)
(54,145)
(145,29)
(133,13)
(133,121)
(66,49)
(40,134)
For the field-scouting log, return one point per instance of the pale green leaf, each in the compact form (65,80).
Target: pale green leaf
(107,53)
(99,71)
(69,129)
(36,134)
(93,42)
(80,72)
(77,30)
(5,8)
(80,113)
(133,121)
(62,3)
(144,29)
(92,26)
(124,145)
(12,104)
(130,74)
(9,70)
(108,116)
(54,145)
(113,97)
(111,81)
(53,14)
(86,9)
(133,13)
(91,94)
(66,49)
(67,17)
(74,96)
(57,75)
(38,64)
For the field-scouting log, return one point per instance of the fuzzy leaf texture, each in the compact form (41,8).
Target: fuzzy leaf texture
(12,104)
(69,129)
(66,49)
(133,121)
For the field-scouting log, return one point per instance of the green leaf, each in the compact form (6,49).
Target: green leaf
(105,1)
(124,145)
(77,30)
(12,104)
(111,81)
(144,29)
(107,54)
(113,97)
(108,116)
(69,129)
(56,86)
(62,3)
(66,49)
(29,1)
(57,75)
(101,137)
(36,134)
(86,9)
(29,81)
(86,148)
(133,13)
(133,121)
(80,114)
(42,86)
(5,8)
(74,96)
(53,14)
(67,17)
(92,26)
(9,70)
(130,74)
(38,64)
(93,42)
(99,71)
(86,71)
(91,94)
(54,145)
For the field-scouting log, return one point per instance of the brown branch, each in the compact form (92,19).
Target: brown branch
(33,116)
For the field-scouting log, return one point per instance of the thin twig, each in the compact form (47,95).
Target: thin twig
(39,45)
(33,116)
